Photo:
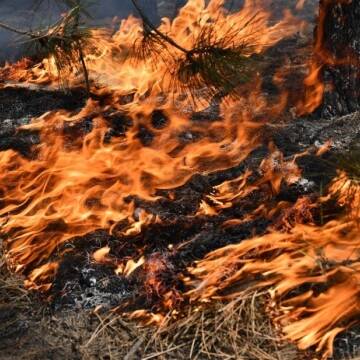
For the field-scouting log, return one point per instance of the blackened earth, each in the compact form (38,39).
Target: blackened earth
(81,284)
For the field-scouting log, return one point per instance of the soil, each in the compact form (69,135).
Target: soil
(59,327)
(63,325)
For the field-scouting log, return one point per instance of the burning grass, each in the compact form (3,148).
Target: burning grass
(222,330)
(238,329)
(314,285)
(11,286)
(167,188)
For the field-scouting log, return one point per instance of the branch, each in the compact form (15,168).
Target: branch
(63,40)
(17,31)
(147,21)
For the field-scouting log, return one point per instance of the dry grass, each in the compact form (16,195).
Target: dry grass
(11,286)
(235,330)
(238,329)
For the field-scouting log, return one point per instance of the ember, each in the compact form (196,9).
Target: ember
(176,191)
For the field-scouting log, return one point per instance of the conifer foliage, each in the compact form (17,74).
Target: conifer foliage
(63,40)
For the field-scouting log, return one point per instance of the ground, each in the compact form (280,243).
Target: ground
(33,326)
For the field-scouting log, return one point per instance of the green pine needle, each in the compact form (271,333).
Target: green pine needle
(64,41)
(218,64)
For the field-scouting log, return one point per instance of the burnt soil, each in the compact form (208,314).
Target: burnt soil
(61,324)
(32,324)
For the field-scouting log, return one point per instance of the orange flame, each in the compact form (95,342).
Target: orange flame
(130,266)
(314,84)
(326,255)
(72,187)
(347,193)
(100,255)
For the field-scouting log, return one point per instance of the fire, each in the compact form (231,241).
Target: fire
(315,86)
(130,266)
(148,318)
(300,4)
(273,172)
(347,193)
(73,186)
(43,276)
(106,53)
(314,90)
(136,136)
(283,262)
(101,254)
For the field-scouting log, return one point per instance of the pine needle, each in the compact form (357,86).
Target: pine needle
(63,41)
(218,64)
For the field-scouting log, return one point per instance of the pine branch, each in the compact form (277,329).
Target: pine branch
(69,4)
(217,63)
(10,28)
(152,27)
(64,40)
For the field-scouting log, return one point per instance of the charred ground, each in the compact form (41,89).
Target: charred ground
(62,325)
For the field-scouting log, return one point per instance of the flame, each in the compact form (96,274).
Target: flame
(106,53)
(148,318)
(274,170)
(130,266)
(73,186)
(308,254)
(347,193)
(229,191)
(315,89)
(315,85)
(100,255)
(91,168)
(277,170)
(300,4)
(40,278)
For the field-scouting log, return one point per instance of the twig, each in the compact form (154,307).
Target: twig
(135,348)
(163,352)
(214,62)
(147,21)
(10,28)
(63,40)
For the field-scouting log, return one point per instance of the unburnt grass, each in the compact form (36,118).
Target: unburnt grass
(63,323)
(30,329)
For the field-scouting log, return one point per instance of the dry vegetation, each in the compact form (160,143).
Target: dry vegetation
(30,330)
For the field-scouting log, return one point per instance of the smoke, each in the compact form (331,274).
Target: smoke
(11,12)
(24,14)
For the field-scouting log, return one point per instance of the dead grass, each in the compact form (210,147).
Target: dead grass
(11,286)
(235,330)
